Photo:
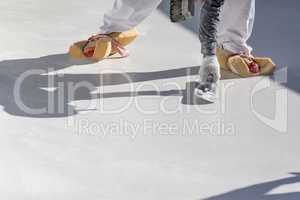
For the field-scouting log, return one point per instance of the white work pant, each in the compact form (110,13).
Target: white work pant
(235,27)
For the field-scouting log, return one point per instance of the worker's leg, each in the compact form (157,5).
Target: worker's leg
(127,14)
(236,24)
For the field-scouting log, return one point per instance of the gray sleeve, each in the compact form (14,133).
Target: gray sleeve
(209,19)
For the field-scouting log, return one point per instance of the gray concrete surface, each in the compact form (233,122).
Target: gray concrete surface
(130,129)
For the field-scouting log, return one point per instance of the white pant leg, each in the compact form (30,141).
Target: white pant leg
(236,25)
(127,14)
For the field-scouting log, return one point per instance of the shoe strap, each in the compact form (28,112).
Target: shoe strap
(249,59)
(116,46)
(119,48)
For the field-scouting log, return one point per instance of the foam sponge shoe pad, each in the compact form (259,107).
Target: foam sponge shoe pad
(101,46)
(245,66)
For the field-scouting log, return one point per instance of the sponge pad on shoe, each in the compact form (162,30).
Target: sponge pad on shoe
(125,38)
(101,48)
(96,50)
(241,65)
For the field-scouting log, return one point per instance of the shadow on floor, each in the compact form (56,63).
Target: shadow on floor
(283,47)
(28,84)
(276,34)
(260,191)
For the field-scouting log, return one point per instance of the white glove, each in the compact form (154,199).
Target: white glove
(209,76)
